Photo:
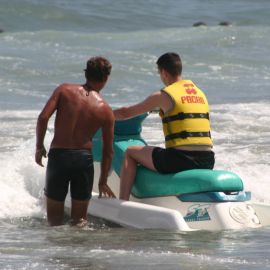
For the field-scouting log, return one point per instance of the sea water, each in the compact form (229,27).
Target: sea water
(46,43)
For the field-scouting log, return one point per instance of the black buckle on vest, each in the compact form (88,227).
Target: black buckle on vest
(182,116)
(185,134)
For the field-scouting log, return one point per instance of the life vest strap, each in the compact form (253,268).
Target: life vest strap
(182,116)
(186,134)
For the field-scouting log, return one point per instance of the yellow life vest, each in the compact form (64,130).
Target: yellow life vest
(188,121)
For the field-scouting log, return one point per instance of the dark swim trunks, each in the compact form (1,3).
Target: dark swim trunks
(74,166)
(172,160)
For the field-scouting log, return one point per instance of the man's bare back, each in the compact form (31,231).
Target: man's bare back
(79,115)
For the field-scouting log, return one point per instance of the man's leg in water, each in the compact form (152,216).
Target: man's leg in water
(133,156)
(55,212)
(79,212)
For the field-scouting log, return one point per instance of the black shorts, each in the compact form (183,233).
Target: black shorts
(74,166)
(171,160)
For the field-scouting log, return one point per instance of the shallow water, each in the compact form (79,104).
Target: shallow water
(99,246)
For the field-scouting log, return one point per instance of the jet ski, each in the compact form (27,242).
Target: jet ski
(198,199)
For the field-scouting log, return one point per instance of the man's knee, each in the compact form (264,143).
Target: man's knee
(133,150)
(129,152)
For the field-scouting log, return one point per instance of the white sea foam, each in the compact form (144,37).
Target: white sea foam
(20,184)
(21,180)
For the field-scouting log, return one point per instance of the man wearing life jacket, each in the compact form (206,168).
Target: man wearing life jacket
(184,113)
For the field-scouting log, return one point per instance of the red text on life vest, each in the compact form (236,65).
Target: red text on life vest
(192,99)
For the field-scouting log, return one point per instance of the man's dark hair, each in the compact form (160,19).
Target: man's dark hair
(98,69)
(171,62)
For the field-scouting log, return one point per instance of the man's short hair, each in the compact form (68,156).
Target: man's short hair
(171,62)
(98,69)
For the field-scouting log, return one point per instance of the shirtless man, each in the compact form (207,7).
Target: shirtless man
(80,112)
(185,117)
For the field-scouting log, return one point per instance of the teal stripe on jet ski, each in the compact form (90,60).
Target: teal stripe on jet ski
(240,196)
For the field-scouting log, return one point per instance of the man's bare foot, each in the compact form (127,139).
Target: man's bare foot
(80,223)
